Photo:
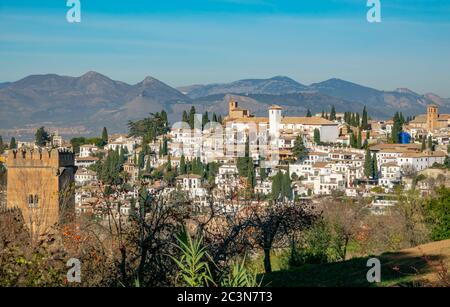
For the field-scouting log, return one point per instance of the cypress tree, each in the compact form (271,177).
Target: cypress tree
(333,113)
(205,119)
(185,117)
(300,151)
(2,146)
(424,143)
(165,149)
(317,136)
(122,154)
(352,120)
(364,121)
(353,140)
(262,174)
(308,113)
(366,141)
(104,136)
(374,166)
(430,143)
(368,164)
(200,167)
(169,164)
(286,189)
(42,137)
(401,118)
(214,118)
(192,117)
(132,214)
(359,140)
(397,128)
(182,165)
(243,162)
(251,177)
(12,143)
(276,185)
(164,119)
(148,167)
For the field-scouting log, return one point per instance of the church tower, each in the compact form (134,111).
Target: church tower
(275,122)
(432,117)
(232,105)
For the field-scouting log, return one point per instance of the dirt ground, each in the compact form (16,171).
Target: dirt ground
(436,256)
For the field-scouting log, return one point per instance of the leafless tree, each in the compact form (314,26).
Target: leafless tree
(345,220)
(273,223)
(408,170)
(409,212)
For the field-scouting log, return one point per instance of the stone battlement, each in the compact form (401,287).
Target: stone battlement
(40,158)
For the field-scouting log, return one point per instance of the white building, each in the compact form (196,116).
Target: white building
(130,143)
(327,184)
(192,184)
(83,177)
(227,178)
(87,150)
(85,162)
(421,160)
(390,175)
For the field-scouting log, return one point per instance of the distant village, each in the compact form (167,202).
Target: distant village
(233,160)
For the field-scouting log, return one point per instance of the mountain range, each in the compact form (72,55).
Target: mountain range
(94,100)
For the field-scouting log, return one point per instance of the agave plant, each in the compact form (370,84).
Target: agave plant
(194,267)
(193,264)
(239,277)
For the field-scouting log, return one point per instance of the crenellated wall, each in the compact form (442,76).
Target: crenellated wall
(39,183)
(40,158)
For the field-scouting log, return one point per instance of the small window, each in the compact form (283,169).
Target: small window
(33,201)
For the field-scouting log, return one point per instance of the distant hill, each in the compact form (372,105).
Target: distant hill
(93,100)
(405,100)
(295,104)
(273,86)
(343,93)
(5,84)
(345,90)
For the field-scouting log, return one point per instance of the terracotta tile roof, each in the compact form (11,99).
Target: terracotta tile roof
(258,120)
(425,154)
(320,164)
(318,121)
(419,119)
(78,159)
(396,147)
(390,164)
(189,176)
(315,153)
(275,107)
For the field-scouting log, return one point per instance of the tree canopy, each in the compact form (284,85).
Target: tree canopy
(42,137)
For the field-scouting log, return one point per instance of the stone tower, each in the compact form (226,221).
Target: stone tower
(232,105)
(275,122)
(41,184)
(432,117)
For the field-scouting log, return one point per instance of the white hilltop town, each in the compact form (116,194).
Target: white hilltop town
(242,158)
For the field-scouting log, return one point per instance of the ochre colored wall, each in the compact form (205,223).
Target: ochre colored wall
(46,175)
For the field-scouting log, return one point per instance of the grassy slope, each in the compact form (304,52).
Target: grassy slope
(404,268)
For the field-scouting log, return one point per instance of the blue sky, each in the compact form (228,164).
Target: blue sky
(205,41)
